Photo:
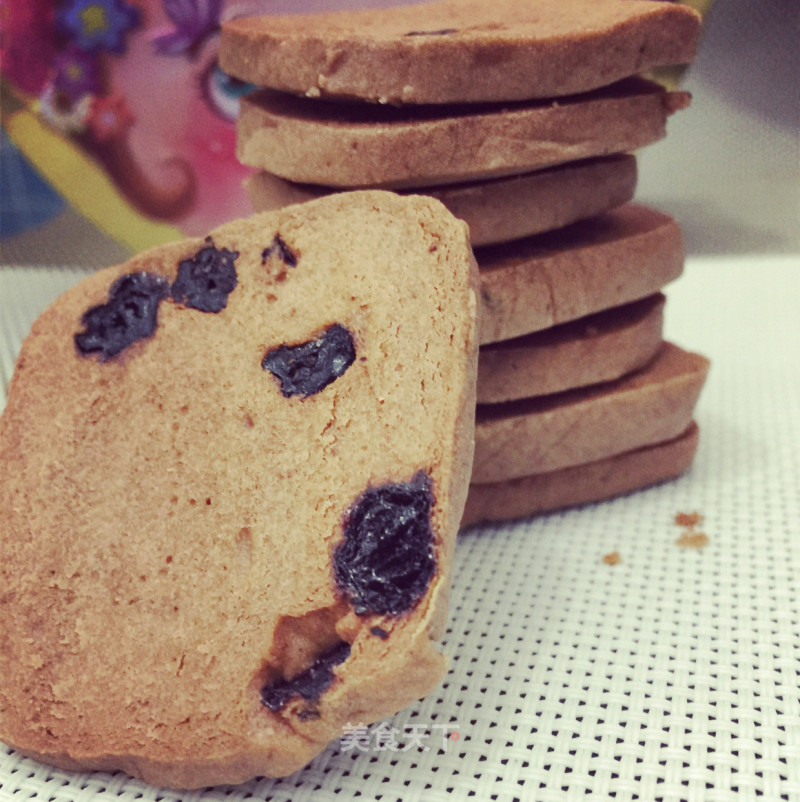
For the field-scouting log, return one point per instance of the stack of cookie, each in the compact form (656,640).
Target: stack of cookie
(522,118)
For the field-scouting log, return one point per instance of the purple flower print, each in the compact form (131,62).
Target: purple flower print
(95,25)
(193,21)
(75,73)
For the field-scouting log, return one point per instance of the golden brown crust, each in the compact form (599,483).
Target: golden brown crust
(581,484)
(612,259)
(358,145)
(594,349)
(168,516)
(502,209)
(544,434)
(460,50)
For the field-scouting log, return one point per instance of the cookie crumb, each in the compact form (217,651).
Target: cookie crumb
(691,538)
(690,519)
(612,559)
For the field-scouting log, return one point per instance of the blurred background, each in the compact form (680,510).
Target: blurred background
(729,169)
(151,157)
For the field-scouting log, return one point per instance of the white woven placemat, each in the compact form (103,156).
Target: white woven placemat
(672,675)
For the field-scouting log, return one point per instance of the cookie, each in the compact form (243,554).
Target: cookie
(581,484)
(606,261)
(460,51)
(594,349)
(232,474)
(502,209)
(360,145)
(546,433)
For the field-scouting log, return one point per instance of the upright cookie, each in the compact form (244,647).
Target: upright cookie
(460,51)
(232,474)
(502,209)
(360,145)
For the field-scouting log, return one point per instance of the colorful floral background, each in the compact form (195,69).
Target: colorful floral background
(134,88)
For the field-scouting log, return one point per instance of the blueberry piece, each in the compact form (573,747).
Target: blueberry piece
(206,280)
(280,249)
(386,560)
(130,314)
(310,684)
(310,367)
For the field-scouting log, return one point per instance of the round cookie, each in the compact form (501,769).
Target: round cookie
(546,433)
(219,545)
(361,145)
(612,259)
(598,348)
(460,51)
(502,209)
(581,484)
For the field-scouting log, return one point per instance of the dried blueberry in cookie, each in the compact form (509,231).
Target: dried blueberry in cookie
(308,368)
(280,249)
(206,280)
(310,684)
(130,314)
(386,560)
